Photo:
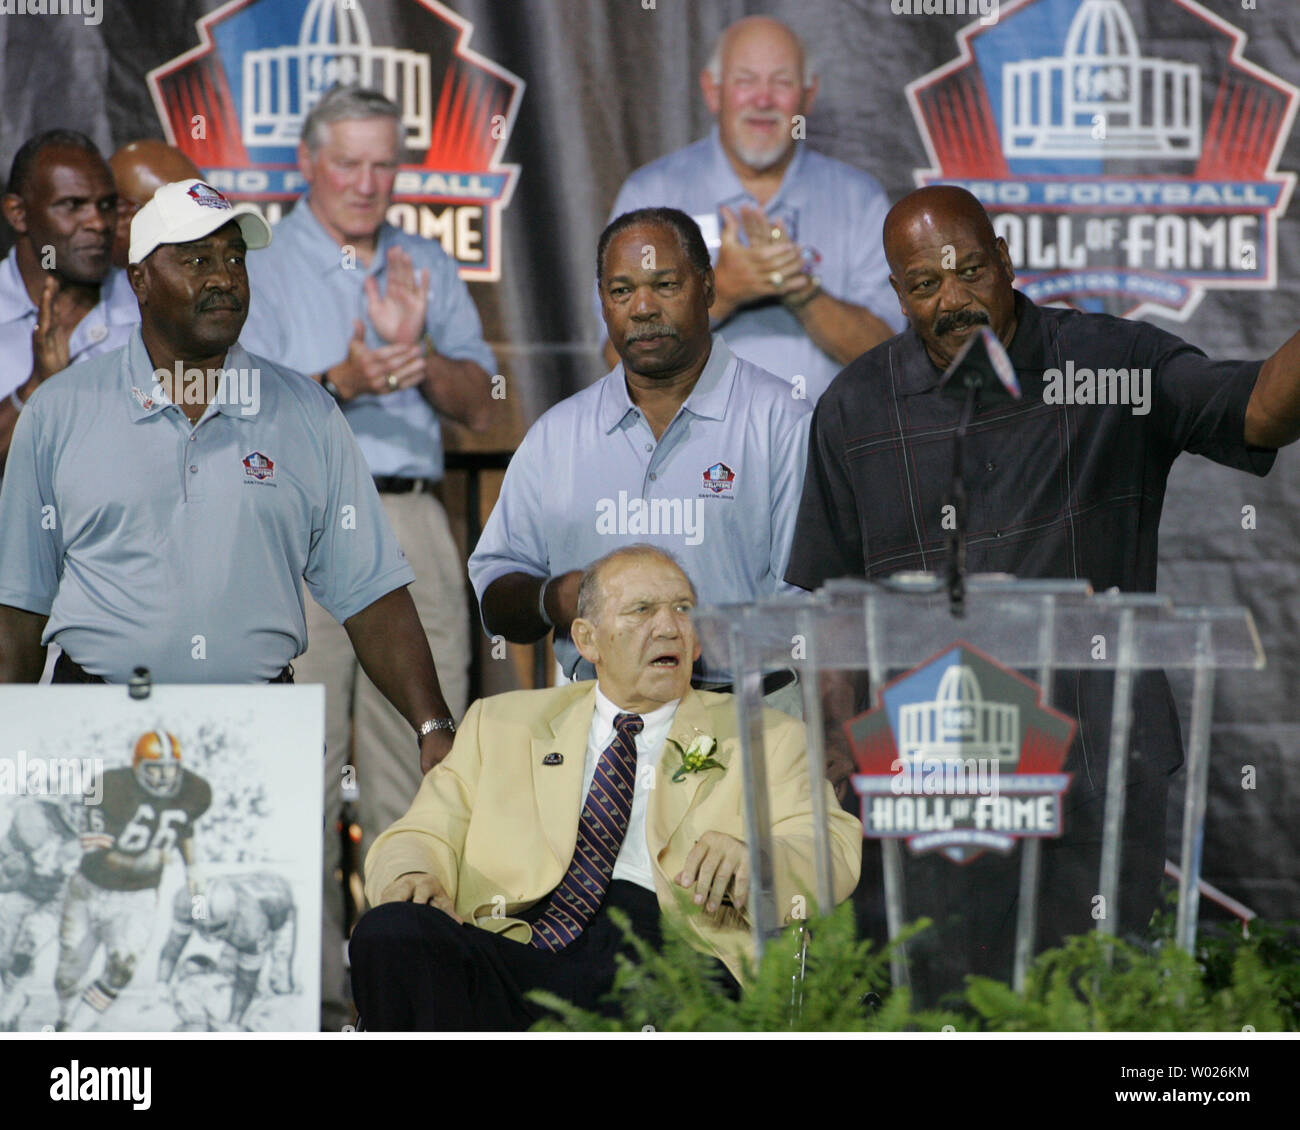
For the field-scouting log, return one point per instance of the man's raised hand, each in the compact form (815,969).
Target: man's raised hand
(768,267)
(420,887)
(398,315)
(377,371)
(49,337)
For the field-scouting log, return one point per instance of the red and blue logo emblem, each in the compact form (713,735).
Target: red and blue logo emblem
(1127,173)
(208,196)
(258,466)
(720,479)
(960,756)
(235,105)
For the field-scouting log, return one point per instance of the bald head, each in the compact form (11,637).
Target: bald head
(949,269)
(939,204)
(760,32)
(140,168)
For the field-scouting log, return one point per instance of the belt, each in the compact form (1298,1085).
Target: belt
(67,671)
(772,681)
(395,484)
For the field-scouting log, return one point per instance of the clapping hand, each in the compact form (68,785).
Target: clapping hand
(398,315)
(378,371)
(49,337)
(770,266)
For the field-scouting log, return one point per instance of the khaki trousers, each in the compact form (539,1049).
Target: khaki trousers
(364,730)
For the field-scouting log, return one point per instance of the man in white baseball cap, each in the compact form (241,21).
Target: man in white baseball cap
(196,487)
(187,210)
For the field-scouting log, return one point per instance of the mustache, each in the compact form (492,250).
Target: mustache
(651,331)
(959,320)
(220,302)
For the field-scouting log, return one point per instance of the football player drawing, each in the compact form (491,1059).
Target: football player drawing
(254,918)
(38,851)
(111,900)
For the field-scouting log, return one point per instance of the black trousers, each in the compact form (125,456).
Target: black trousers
(414,968)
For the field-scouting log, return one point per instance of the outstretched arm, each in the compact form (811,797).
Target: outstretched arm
(1273,411)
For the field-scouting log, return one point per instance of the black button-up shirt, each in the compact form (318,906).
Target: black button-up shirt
(1054,490)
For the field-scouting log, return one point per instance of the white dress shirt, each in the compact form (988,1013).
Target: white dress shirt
(633,862)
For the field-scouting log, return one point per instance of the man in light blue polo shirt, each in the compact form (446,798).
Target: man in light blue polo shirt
(61,299)
(684,446)
(383,321)
(802,282)
(164,502)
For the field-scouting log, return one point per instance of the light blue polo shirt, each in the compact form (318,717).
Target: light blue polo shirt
(182,547)
(720,489)
(105,328)
(829,207)
(304,300)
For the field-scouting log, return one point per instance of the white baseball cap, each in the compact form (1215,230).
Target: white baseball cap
(190,209)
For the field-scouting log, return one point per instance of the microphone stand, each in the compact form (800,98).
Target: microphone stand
(956,570)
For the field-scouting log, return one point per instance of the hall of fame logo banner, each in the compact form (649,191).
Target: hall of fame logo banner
(235,105)
(1130,166)
(959,755)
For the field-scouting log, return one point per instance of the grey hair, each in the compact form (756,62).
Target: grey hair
(345,104)
(589,586)
(714,65)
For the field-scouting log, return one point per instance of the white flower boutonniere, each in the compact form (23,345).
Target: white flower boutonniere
(696,758)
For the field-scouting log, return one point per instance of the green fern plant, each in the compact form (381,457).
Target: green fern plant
(1092,983)
(678,989)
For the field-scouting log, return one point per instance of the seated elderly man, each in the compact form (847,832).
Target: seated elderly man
(556,805)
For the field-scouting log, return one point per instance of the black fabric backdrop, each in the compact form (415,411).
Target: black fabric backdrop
(611,84)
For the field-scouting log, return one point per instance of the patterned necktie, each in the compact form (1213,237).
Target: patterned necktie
(601,829)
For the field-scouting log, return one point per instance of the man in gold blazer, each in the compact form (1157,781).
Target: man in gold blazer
(556,805)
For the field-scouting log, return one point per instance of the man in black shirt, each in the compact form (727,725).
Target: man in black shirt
(1066,482)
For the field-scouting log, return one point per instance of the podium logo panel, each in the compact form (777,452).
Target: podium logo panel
(960,755)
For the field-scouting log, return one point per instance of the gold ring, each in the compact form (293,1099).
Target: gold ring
(776,279)
(392,380)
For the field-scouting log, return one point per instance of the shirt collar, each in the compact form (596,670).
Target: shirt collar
(606,711)
(917,373)
(116,306)
(15,302)
(708,399)
(304,227)
(146,398)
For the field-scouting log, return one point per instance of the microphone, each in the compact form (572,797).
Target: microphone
(982,365)
(980,375)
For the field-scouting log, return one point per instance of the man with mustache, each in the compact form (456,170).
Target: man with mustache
(557,805)
(800,278)
(1054,490)
(61,299)
(683,445)
(154,515)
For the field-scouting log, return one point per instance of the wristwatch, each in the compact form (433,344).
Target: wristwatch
(330,387)
(428,726)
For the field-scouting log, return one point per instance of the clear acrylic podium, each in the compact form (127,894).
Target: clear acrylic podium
(1035,632)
